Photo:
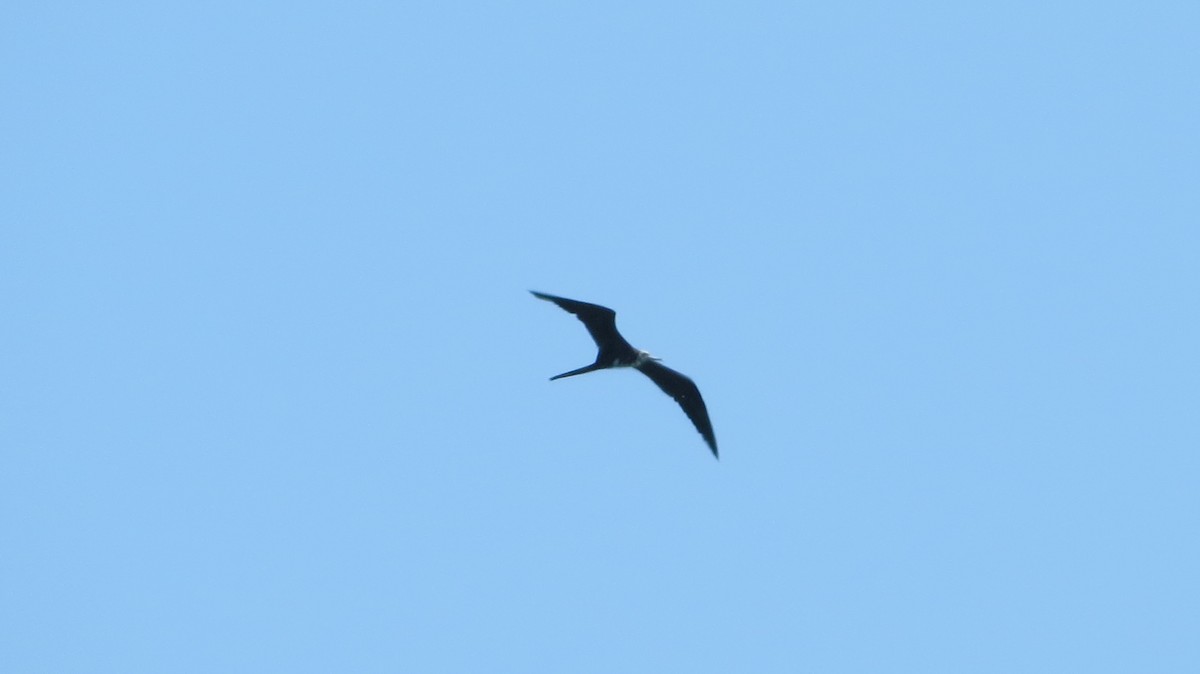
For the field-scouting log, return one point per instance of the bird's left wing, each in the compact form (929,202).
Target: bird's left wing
(685,392)
(601,322)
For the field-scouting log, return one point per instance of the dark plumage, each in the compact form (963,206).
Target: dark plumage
(614,351)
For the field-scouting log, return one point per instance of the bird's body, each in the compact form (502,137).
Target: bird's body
(614,351)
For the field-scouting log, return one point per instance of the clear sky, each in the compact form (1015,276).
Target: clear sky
(274,397)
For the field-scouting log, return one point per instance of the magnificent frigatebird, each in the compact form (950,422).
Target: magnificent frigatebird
(601,323)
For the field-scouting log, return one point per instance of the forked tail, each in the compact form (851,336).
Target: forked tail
(583,370)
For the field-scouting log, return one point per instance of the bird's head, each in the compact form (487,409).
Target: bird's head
(644,356)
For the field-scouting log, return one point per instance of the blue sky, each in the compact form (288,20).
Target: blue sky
(273,395)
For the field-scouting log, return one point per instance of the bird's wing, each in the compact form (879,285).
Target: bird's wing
(684,391)
(601,322)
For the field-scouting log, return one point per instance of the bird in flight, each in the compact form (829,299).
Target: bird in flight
(601,323)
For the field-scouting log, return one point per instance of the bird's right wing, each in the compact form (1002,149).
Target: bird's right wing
(686,393)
